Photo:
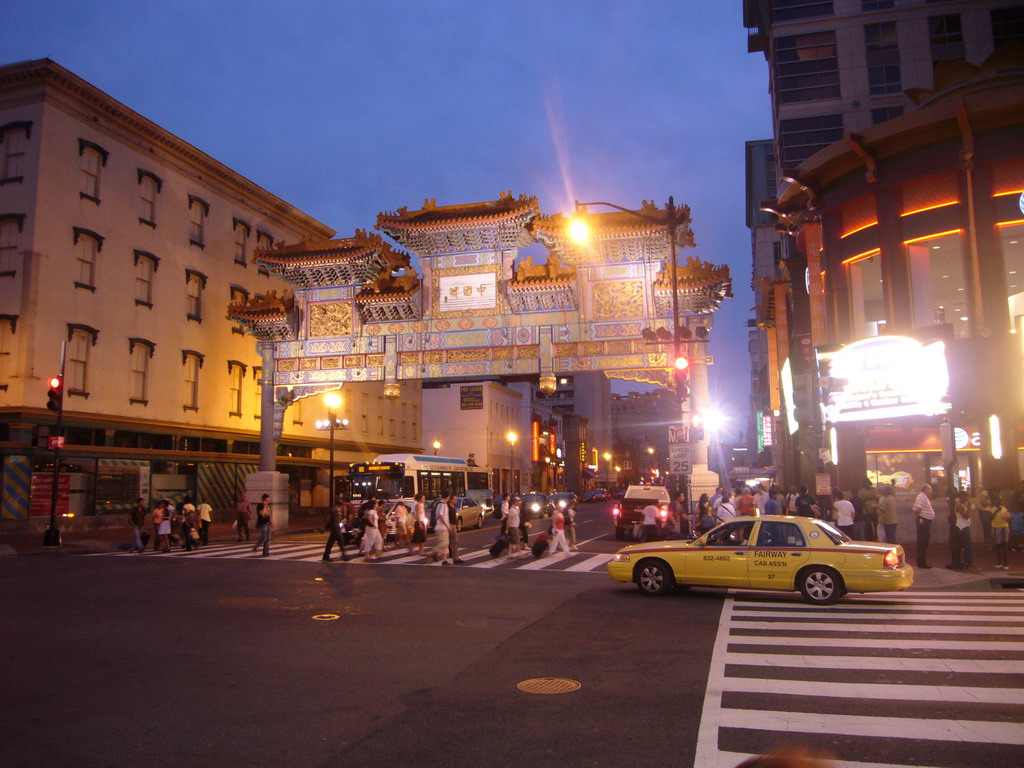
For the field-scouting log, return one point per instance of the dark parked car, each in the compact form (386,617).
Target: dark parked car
(598,494)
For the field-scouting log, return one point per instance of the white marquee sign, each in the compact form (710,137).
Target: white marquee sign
(886,377)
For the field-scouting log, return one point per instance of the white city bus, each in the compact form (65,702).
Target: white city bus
(403,475)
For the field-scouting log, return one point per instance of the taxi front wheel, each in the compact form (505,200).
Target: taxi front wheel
(654,577)
(820,585)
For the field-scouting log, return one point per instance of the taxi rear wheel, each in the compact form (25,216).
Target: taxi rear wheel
(654,577)
(820,585)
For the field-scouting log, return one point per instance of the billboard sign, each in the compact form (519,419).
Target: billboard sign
(885,377)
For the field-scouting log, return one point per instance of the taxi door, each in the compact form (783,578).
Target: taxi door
(722,561)
(780,552)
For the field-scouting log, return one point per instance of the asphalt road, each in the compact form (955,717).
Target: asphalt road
(114,661)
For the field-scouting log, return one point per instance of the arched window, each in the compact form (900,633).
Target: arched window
(141,352)
(94,159)
(81,340)
(236,375)
(241,241)
(145,271)
(192,362)
(87,245)
(195,282)
(13,140)
(149,188)
(198,211)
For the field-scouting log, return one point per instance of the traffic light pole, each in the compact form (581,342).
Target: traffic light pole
(51,538)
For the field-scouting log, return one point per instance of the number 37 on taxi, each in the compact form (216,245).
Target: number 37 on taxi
(775,552)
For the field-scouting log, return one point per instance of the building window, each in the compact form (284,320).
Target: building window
(264,240)
(76,374)
(10,227)
(145,269)
(7,349)
(875,5)
(94,158)
(806,67)
(881,114)
(236,375)
(141,352)
(87,245)
(790,10)
(1007,25)
(13,140)
(238,297)
(947,37)
(883,58)
(937,282)
(867,298)
(149,188)
(198,211)
(257,373)
(1012,238)
(192,362)
(241,242)
(801,137)
(195,282)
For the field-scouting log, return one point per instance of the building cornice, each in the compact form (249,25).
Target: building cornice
(44,80)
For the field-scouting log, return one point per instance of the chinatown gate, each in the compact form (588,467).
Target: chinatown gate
(360,310)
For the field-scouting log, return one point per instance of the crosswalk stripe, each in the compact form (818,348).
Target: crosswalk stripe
(892,663)
(847,609)
(735,758)
(923,643)
(591,563)
(930,693)
(868,726)
(832,618)
(543,562)
(894,626)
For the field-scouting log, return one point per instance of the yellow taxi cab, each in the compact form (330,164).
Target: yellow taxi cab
(776,552)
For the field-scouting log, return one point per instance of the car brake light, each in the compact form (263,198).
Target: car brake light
(616,512)
(664,513)
(891,559)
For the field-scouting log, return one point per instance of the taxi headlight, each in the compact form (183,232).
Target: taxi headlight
(621,557)
(561,504)
(535,507)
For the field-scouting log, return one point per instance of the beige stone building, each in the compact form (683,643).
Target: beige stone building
(126,244)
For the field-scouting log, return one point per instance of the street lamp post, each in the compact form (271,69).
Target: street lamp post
(332,400)
(512,437)
(674,217)
(437,445)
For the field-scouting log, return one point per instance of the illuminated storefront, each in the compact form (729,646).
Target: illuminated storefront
(918,227)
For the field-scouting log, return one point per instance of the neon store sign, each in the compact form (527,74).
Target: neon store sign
(886,377)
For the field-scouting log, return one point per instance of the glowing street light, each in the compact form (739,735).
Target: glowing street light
(333,401)
(437,445)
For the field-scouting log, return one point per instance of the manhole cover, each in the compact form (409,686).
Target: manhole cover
(326,617)
(548,685)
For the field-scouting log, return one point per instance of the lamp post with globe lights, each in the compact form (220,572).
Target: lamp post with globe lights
(333,401)
(437,446)
(512,437)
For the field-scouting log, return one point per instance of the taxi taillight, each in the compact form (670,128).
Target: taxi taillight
(664,512)
(891,559)
(616,512)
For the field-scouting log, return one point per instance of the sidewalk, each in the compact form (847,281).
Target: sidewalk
(112,539)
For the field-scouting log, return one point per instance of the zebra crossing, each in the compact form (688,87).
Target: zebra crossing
(312,552)
(912,678)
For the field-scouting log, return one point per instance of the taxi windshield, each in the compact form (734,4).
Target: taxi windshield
(837,536)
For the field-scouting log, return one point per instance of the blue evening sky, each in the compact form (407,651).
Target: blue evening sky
(350,107)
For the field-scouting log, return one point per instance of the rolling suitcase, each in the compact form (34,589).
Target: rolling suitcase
(499,546)
(540,545)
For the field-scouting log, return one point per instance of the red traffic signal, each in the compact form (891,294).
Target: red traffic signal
(55,397)
(682,363)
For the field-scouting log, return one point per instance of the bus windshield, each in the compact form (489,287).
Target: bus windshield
(381,484)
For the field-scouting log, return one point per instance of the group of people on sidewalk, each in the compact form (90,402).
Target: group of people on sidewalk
(189,526)
(870,513)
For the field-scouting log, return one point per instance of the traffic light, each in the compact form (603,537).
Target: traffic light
(681,366)
(55,397)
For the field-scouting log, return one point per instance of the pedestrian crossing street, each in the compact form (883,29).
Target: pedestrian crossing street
(312,552)
(910,678)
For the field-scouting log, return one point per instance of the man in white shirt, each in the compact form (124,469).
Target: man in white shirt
(510,521)
(760,498)
(205,518)
(650,531)
(442,528)
(925,515)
